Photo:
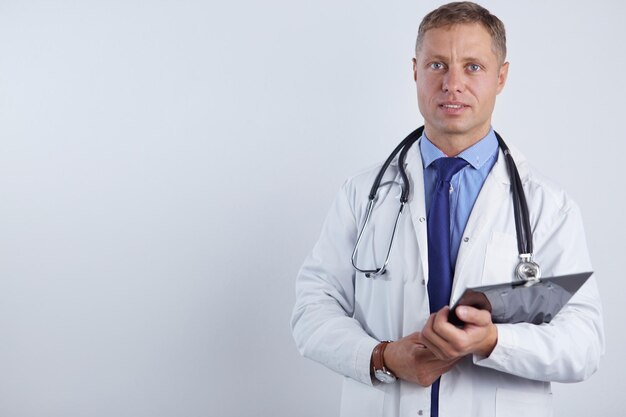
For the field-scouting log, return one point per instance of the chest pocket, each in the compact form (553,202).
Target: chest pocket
(501,258)
(513,404)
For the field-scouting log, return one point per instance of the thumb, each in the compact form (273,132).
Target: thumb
(473,315)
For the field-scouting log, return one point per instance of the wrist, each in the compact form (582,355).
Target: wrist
(388,357)
(378,367)
(489,343)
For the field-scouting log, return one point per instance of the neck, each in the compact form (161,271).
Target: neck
(451,143)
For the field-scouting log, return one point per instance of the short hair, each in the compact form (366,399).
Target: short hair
(464,12)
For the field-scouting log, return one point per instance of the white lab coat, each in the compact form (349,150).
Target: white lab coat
(340,315)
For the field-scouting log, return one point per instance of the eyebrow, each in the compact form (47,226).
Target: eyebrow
(465,59)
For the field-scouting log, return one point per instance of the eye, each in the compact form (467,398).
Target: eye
(474,67)
(436,65)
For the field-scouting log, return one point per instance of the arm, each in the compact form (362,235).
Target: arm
(323,325)
(322,322)
(567,349)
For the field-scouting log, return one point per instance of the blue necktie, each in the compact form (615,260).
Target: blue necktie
(440,269)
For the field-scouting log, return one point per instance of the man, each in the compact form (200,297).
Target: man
(344,319)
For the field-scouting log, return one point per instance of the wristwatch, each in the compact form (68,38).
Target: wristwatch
(378,362)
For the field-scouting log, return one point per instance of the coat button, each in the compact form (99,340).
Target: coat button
(466,239)
(420,412)
(423,282)
(422,219)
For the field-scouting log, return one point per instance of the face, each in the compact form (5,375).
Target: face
(458,76)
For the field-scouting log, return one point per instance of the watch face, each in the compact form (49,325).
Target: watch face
(384,376)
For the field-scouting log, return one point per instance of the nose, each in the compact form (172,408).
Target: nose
(453,81)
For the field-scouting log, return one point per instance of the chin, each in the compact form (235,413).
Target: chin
(453,128)
(460,127)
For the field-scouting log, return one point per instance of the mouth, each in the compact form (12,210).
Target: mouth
(453,107)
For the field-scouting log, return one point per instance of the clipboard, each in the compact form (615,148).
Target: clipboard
(522,302)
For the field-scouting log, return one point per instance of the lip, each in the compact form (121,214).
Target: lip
(452,107)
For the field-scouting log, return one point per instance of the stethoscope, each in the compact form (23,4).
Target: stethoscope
(526,270)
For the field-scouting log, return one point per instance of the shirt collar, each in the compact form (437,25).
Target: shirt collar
(476,155)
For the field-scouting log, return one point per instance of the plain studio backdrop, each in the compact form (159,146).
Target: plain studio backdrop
(165,167)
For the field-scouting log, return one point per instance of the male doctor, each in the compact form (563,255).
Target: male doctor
(389,335)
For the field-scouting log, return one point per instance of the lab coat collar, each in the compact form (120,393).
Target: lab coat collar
(414,158)
(500,171)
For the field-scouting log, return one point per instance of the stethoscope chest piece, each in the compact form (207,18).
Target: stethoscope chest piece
(527,270)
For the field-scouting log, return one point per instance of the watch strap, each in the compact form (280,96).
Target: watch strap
(377,356)
(378,359)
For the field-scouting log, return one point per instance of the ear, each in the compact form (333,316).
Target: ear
(502,74)
(414,69)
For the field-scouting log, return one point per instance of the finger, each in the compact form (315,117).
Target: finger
(455,342)
(442,326)
(432,340)
(471,315)
(446,330)
(428,333)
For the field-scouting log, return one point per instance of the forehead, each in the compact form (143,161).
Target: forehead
(460,40)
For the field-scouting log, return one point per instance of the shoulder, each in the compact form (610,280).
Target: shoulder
(540,188)
(551,208)
(356,189)
(362,181)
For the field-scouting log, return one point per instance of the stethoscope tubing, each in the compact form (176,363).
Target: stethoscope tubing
(526,270)
(520,206)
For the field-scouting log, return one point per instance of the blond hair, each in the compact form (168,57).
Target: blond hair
(464,12)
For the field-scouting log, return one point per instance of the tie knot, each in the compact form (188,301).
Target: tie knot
(447,167)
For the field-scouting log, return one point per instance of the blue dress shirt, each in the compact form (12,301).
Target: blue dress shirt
(466,184)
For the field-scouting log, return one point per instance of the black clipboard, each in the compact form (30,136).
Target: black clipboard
(522,302)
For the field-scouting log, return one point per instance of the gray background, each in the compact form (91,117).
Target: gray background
(165,167)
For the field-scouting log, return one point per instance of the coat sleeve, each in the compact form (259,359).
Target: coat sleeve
(322,322)
(567,349)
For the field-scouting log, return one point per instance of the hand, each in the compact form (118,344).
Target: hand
(409,359)
(448,342)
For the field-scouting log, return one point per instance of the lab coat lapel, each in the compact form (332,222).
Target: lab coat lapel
(417,203)
(479,226)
